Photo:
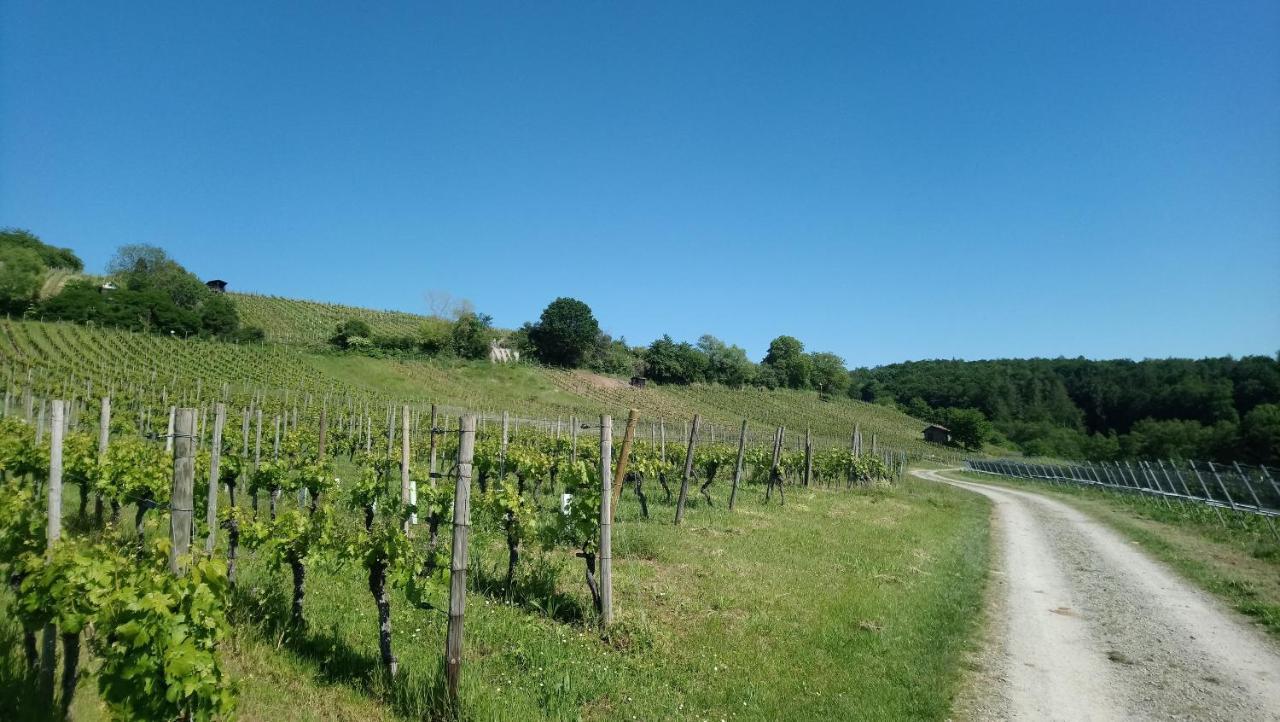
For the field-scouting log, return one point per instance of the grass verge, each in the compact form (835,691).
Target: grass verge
(838,605)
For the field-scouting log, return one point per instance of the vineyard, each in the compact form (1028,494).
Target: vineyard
(231,509)
(59,356)
(311,323)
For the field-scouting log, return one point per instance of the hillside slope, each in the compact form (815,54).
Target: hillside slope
(70,359)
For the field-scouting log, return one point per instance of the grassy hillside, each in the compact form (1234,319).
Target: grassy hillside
(311,323)
(62,357)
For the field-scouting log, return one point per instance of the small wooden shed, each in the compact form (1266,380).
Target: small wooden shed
(217,285)
(937,434)
(639,381)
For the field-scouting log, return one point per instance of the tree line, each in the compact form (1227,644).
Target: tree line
(1222,409)
(143,290)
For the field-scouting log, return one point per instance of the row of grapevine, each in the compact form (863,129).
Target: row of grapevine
(290,459)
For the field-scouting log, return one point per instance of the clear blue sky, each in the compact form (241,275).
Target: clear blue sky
(886,181)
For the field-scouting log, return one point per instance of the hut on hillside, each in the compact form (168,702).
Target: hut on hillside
(217,285)
(937,434)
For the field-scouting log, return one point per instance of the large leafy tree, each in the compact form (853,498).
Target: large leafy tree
(674,363)
(140,267)
(564,333)
(827,373)
(786,357)
(726,364)
(471,334)
(1260,433)
(969,427)
(50,256)
(25,262)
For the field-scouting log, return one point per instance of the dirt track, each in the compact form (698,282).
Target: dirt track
(1087,627)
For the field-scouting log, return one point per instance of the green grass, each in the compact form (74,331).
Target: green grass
(839,605)
(1235,557)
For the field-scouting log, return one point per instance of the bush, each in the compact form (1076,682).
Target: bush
(351,328)
(435,336)
(564,333)
(471,335)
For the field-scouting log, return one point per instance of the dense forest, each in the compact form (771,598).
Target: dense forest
(1218,408)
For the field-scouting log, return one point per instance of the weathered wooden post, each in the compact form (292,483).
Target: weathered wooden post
(808,455)
(391,429)
(775,475)
(53,532)
(433,520)
(215,457)
(168,435)
(737,467)
(573,439)
(458,566)
(104,440)
(502,451)
(180,511)
(324,433)
(688,469)
(606,519)
(408,496)
(624,460)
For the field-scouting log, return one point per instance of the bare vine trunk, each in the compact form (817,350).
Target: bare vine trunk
(662,479)
(378,587)
(644,501)
(711,476)
(299,590)
(70,664)
(589,558)
(233,537)
(513,551)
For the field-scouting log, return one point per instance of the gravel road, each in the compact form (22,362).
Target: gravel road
(1085,626)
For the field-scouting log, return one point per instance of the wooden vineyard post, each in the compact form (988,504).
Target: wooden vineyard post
(168,436)
(458,566)
(257,447)
(407,494)
(624,455)
(688,469)
(662,430)
(391,430)
(606,516)
(775,475)
(244,432)
(573,439)
(433,520)
(180,510)
(104,439)
(215,456)
(808,456)
(53,532)
(737,467)
(502,451)
(324,429)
